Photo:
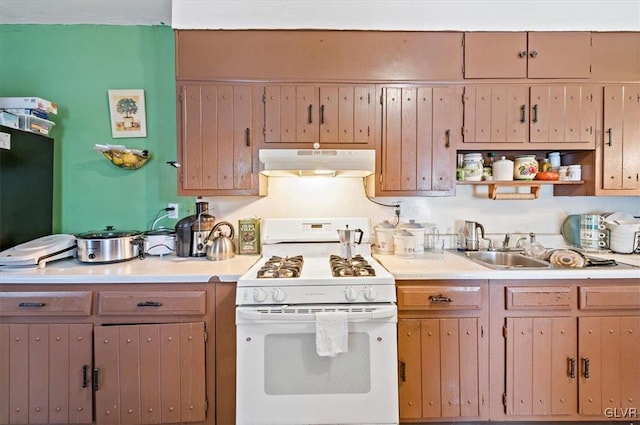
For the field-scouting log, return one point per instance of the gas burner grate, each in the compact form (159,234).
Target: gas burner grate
(350,267)
(281,267)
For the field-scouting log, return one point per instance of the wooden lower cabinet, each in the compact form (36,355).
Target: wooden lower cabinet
(107,354)
(442,351)
(565,350)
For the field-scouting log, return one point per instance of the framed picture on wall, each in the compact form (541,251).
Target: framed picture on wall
(128,116)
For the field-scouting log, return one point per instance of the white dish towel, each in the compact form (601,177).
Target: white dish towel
(332,335)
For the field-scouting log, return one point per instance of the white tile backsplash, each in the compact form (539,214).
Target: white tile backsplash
(345,197)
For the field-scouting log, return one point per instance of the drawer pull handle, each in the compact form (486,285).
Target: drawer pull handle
(439,299)
(572,367)
(585,364)
(523,112)
(310,114)
(85,378)
(403,371)
(149,304)
(447,138)
(535,113)
(25,304)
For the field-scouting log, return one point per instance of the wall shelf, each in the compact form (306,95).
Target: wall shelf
(534,186)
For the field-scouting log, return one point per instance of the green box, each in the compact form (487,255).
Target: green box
(249,236)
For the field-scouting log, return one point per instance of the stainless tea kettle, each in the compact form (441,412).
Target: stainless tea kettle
(219,246)
(472,243)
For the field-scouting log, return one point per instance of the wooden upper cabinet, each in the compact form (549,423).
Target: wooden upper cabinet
(615,56)
(215,146)
(527,54)
(515,115)
(318,55)
(420,132)
(334,116)
(621,144)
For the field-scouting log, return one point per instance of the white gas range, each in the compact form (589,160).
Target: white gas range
(303,296)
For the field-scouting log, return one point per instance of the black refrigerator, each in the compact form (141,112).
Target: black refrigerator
(26,187)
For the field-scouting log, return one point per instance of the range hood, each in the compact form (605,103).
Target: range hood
(317,162)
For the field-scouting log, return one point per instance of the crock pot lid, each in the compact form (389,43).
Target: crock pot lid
(385,225)
(108,234)
(412,225)
(160,232)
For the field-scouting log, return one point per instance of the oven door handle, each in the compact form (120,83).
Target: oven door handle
(296,317)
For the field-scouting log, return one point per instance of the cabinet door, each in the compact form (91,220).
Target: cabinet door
(541,366)
(621,145)
(559,55)
(410,369)
(150,373)
(329,115)
(609,348)
(496,114)
(562,114)
(45,372)
(495,55)
(615,56)
(216,150)
(439,368)
(420,134)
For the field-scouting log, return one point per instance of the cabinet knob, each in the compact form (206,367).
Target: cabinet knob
(522,54)
(533,54)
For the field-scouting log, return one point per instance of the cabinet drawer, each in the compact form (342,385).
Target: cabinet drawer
(538,298)
(610,297)
(152,303)
(439,298)
(72,303)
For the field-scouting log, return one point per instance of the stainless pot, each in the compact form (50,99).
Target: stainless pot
(219,246)
(109,246)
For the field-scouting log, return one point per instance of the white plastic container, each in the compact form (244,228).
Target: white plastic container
(554,159)
(574,172)
(473,167)
(503,169)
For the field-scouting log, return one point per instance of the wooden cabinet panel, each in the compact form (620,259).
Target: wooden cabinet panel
(439,364)
(609,297)
(539,298)
(519,116)
(45,368)
(320,55)
(615,56)
(539,355)
(215,149)
(58,303)
(225,353)
(621,144)
(419,138)
(151,303)
(176,366)
(333,116)
(527,55)
(439,297)
(608,373)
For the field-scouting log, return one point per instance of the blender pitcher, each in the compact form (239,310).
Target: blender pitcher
(347,238)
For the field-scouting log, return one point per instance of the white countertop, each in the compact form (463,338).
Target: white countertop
(153,269)
(451,265)
(173,269)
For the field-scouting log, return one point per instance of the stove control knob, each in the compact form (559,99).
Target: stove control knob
(279,295)
(351,294)
(259,295)
(370,294)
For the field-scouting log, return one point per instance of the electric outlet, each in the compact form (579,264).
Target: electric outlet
(174,212)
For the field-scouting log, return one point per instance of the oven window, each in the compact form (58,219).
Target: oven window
(292,366)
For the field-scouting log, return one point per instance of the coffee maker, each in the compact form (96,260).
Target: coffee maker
(192,232)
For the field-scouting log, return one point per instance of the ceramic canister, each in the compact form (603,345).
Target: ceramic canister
(473,167)
(503,169)
(384,237)
(525,167)
(417,230)
(404,244)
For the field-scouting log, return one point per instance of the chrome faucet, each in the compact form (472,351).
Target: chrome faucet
(505,242)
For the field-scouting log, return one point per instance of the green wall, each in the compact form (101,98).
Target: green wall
(75,65)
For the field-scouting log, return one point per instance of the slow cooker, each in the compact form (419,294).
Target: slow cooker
(109,246)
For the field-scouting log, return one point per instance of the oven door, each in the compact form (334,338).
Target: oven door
(282,380)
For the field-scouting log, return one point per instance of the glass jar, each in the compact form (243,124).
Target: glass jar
(473,167)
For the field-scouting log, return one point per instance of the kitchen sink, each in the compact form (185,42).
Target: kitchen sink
(506,260)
